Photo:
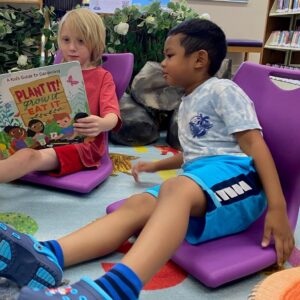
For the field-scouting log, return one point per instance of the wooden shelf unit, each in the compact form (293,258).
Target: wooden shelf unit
(279,21)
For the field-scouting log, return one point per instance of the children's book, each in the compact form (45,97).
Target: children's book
(39,106)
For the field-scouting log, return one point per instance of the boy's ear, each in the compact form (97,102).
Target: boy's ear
(201,59)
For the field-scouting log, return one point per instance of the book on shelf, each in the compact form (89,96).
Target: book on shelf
(295,5)
(284,66)
(274,38)
(39,106)
(295,40)
(286,80)
(283,6)
(285,39)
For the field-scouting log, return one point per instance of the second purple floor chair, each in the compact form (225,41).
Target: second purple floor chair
(220,261)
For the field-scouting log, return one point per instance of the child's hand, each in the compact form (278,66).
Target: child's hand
(277,226)
(89,126)
(142,166)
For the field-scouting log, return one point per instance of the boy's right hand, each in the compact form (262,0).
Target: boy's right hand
(277,227)
(142,166)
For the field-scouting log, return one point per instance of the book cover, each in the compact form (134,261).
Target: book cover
(279,7)
(39,106)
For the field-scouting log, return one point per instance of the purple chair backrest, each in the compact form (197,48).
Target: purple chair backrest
(278,111)
(58,57)
(120,65)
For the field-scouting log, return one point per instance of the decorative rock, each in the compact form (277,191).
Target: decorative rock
(138,127)
(150,89)
(172,133)
(225,69)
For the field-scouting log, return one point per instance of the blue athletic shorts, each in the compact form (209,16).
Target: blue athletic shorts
(235,198)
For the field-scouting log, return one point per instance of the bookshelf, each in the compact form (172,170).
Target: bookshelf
(282,33)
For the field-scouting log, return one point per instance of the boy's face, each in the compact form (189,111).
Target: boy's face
(65,122)
(73,47)
(179,69)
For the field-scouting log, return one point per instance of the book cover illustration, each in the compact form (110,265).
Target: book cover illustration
(39,106)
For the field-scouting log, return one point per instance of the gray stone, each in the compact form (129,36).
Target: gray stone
(150,89)
(225,70)
(138,127)
(172,132)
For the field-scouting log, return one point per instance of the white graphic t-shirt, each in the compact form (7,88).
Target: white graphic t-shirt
(209,116)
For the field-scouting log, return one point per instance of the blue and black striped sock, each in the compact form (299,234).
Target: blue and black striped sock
(121,283)
(55,248)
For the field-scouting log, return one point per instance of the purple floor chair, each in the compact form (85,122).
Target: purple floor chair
(220,261)
(120,65)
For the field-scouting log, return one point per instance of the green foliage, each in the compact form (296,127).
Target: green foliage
(21,38)
(139,30)
(142,31)
(7,115)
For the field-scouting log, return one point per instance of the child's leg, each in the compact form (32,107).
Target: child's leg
(163,233)
(179,198)
(106,234)
(25,161)
(21,257)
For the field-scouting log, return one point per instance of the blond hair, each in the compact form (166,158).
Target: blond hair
(89,27)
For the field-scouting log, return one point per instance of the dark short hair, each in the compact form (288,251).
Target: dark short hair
(199,34)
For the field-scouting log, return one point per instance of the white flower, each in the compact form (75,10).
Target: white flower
(205,16)
(150,20)
(121,28)
(22,60)
(28,42)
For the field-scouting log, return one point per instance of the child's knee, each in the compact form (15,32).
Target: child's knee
(28,154)
(174,187)
(169,186)
(141,204)
(183,191)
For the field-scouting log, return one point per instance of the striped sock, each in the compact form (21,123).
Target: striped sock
(55,247)
(121,283)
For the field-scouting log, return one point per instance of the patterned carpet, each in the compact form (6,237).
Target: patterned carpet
(49,214)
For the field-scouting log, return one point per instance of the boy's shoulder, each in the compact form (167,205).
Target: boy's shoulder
(214,84)
(215,81)
(218,88)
